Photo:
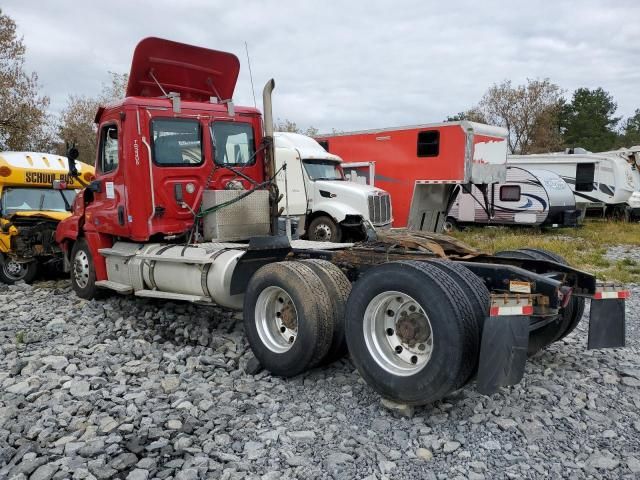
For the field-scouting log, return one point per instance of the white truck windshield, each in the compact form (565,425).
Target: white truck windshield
(323,170)
(35,199)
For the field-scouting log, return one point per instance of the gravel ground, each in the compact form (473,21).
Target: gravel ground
(128,388)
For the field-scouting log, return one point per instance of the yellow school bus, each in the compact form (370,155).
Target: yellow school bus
(36,192)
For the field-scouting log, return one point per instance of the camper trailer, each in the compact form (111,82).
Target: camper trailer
(603,182)
(419,165)
(532,197)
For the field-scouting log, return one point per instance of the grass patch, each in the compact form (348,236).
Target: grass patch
(20,337)
(584,248)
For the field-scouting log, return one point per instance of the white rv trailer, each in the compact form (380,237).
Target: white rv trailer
(597,180)
(632,157)
(531,197)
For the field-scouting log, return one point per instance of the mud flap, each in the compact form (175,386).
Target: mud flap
(607,324)
(503,352)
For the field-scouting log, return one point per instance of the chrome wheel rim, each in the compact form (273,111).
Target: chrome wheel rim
(398,333)
(81,269)
(322,232)
(14,270)
(276,319)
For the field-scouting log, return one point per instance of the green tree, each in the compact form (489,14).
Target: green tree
(630,135)
(473,115)
(588,121)
(23,117)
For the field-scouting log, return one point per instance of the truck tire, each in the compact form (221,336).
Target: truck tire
(12,271)
(479,295)
(83,271)
(411,332)
(570,315)
(339,288)
(324,229)
(287,318)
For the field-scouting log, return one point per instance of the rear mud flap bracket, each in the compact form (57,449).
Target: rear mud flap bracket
(503,352)
(607,324)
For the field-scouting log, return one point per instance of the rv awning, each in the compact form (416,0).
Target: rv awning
(195,73)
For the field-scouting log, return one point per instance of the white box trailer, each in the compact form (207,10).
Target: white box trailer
(597,181)
(531,197)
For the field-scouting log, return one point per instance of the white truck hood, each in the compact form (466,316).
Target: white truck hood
(346,187)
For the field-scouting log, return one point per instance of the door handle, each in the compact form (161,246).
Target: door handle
(121,215)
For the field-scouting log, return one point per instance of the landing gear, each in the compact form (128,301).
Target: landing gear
(12,271)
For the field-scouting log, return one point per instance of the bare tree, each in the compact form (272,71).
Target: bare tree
(526,111)
(23,117)
(289,126)
(76,122)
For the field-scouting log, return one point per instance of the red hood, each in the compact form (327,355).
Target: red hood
(195,73)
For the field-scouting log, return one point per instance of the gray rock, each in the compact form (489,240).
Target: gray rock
(424,454)
(80,388)
(138,474)
(302,435)
(450,447)
(57,362)
(44,472)
(603,461)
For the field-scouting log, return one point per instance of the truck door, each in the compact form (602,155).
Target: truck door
(106,213)
(295,186)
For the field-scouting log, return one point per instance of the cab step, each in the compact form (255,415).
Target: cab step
(115,286)
(172,296)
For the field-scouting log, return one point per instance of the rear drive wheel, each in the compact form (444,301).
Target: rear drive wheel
(324,229)
(339,287)
(83,271)
(411,332)
(12,271)
(287,318)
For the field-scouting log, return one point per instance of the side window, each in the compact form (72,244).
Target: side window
(233,143)
(510,193)
(429,143)
(585,173)
(176,142)
(108,148)
(324,144)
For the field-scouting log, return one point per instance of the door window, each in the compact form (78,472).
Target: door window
(109,149)
(585,173)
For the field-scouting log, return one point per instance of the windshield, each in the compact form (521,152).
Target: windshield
(35,199)
(323,170)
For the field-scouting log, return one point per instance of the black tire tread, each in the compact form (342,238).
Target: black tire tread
(313,289)
(460,304)
(339,288)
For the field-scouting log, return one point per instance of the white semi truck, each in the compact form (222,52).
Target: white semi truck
(317,195)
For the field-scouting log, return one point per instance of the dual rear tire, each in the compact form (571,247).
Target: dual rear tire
(412,328)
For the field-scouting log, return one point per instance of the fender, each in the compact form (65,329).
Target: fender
(336,209)
(96,241)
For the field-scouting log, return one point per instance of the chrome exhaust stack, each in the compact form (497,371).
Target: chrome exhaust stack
(269,151)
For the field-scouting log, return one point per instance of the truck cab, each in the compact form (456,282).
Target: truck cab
(316,192)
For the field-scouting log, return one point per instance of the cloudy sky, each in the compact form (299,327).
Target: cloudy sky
(350,64)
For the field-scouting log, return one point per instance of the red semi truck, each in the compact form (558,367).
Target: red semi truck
(420,161)
(185,206)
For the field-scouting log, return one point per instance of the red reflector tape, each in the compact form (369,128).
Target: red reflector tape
(612,295)
(511,310)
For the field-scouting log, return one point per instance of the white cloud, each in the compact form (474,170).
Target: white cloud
(349,65)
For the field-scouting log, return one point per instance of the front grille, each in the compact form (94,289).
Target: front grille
(380,209)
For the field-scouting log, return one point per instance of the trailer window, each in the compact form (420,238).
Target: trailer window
(233,143)
(429,143)
(510,193)
(176,142)
(585,173)
(108,149)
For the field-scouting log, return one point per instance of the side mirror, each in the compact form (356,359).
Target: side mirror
(95,186)
(72,155)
